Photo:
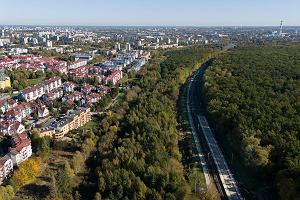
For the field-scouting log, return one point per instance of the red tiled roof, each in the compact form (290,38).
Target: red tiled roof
(20,141)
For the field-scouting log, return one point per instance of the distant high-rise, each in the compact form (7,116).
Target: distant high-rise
(49,44)
(2,33)
(117,46)
(169,41)
(280,28)
(35,41)
(139,43)
(128,47)
(157,40)
(177,40)
(24,40)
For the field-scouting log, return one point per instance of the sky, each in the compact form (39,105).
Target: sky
(150,12)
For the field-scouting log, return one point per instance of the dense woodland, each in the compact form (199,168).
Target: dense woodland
(253,99)
(138,155)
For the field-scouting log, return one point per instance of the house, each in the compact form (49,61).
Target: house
(87,71)
(11,128)
(37,91)
(54,94)
(32,93)
(19,112)
(20,149)
(103,89)
(87,89)
(114,76)
(52,83)
(6,168)
(68,87)
(7,103)
(43,111)
(9,63)
(77,64)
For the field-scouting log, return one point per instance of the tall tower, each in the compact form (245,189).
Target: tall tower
(280,29)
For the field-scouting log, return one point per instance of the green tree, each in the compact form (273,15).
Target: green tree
(53,188)
(78,162)
(63,183)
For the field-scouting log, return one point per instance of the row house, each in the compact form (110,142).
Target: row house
(6,168)
(87,88)
(102,89)
(7,104)
(32,93)
(53,95)
(11,128)
(68,87)
(21,111)
(114,76)
(58,68)
(87,71)
(9,63)
(70,98)
(88,100)
(20,149)
(52,83)
(37,91)
(32,67)
(77,64)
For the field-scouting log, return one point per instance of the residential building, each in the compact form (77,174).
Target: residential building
(7,103)
(113,76)
(77,64)
(19,112)
(43,111)
(37,91)
(73,120)
(68,87)
(117,46)
(21,148)
(49,44)
(128,47)
(11,128)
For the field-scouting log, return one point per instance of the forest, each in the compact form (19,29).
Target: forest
(252,96)
(137,154)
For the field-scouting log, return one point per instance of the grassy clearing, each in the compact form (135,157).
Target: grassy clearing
(90,125)
(36,81)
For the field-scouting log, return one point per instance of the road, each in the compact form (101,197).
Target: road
(204,138)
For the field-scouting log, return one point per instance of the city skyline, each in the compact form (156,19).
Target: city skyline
(154,13)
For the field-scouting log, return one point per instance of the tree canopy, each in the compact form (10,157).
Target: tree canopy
(253,99)
(138,154)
